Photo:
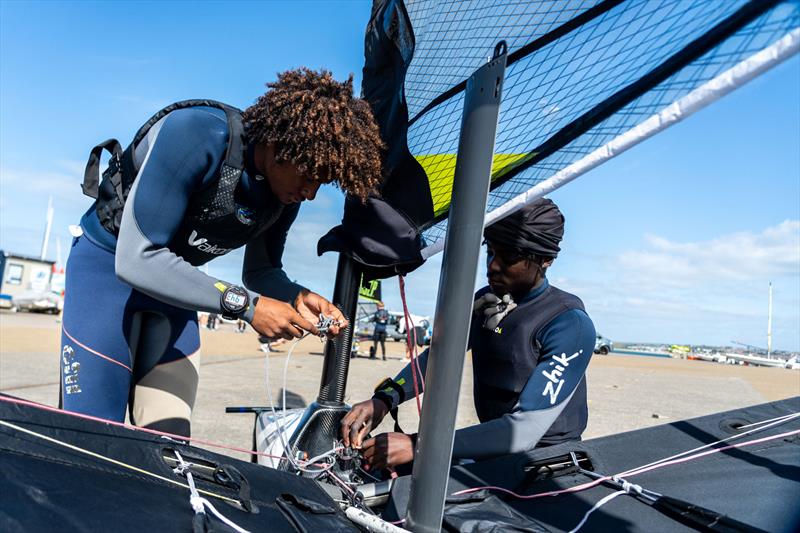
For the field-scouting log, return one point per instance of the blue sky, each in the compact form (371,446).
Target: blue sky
(674,241)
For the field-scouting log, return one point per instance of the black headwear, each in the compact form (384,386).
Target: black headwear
(536,229)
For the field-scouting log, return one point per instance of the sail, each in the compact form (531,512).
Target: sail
(580,74)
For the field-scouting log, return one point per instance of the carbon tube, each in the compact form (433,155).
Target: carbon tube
(337,351)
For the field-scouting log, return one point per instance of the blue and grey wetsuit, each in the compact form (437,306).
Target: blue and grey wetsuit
(528,375)
(130,333)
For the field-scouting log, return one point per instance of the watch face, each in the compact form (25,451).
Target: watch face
(235,301)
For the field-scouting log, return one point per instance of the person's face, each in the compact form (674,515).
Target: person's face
(286,182)
(510,273)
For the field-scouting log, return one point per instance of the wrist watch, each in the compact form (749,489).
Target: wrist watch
(234,301)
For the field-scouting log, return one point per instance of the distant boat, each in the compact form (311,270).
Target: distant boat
(791,363)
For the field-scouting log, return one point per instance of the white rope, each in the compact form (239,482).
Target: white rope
(597,506)
(198,503)
(776,422)
(280,426)
(784,418)
(627,488)
(110,460)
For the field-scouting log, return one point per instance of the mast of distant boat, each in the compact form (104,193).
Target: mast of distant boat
(47,226)
(769,324)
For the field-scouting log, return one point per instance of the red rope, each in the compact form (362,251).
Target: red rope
(411,346)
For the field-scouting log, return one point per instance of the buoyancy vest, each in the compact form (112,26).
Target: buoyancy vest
(504,359)
(214,223)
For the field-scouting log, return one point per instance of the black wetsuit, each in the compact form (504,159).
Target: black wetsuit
(130,332)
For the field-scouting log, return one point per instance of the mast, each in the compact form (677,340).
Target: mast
(454,302)
(47,226)
(769,323)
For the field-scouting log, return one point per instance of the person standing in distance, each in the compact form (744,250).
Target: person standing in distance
(381,320)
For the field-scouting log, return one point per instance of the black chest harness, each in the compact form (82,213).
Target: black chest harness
(504,359)
(214,224)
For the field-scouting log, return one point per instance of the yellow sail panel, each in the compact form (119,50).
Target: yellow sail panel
(440,169)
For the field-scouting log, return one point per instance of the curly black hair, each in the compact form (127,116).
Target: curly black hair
(316,124)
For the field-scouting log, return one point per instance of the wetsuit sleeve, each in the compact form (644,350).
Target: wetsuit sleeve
(566,344)
(406,380)
(185,152)
(262,271)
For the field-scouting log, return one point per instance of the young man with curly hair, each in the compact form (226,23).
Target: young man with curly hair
(130,336)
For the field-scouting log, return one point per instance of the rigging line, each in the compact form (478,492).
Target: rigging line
(198,503)
(411,338)
(677,61)
(642,470)
(287,453)
(726,439)
(584,486)
(412,346)
(524,51)
(113,461)
(784,417)
(414,365)
(280,422)
(173,436)
(597,506)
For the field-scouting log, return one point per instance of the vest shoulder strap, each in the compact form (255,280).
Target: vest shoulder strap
(112,192)
(234,155)
(91,176)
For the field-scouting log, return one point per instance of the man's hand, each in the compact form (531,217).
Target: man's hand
(388,450)
(310,305)
(275,319)
(362,418)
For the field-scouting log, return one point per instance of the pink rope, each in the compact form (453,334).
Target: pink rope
(134,428)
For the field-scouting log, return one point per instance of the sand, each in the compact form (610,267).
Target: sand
(625,392)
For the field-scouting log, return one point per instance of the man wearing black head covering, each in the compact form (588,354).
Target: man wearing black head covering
(531,344)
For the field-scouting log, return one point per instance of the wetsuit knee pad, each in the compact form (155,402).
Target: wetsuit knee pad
(166,371)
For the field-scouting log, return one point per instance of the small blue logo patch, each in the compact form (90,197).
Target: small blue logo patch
(245,215)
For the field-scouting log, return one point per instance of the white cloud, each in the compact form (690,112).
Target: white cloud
(709,292)
(25,186)
(736,257)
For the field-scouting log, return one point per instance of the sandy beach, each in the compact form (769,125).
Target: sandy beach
(625,392)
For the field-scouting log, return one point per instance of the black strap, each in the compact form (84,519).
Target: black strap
(387,400)
(383,396)
(235,155)
(91,176)
(389,383)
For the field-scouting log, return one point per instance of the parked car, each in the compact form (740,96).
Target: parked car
(603,345)
(38,302)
